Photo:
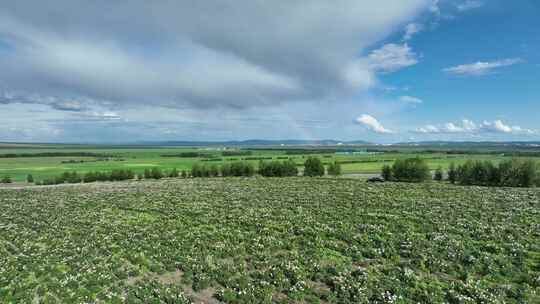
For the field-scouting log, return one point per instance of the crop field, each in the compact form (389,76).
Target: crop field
(266,240)
(138,159)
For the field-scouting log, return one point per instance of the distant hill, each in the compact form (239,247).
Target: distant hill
(256,143)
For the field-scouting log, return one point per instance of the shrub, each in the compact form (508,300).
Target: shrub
(313,167)
(410,170)
(226,170)
(278,169)
(184,174)
(29,178)
(90,177)
(386,173)
(5,180)
(438,174)
(196,170)
(147,173)
(72,178)
(213,171)
(452,173)
(156,173)
(334,168)
(242,169)
(120,175)
(174,173)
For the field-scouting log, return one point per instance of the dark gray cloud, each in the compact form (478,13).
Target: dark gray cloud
(200,54)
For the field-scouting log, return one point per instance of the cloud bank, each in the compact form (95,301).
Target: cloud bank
(202,54)
(469,127)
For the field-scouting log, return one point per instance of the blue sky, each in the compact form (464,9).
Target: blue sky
(383,71)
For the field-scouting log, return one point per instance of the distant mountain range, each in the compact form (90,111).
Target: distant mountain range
(253,143)
(257,143)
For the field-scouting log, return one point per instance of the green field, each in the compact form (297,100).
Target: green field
(269,240)
(141,158)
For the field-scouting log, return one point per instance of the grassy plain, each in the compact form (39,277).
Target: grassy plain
(140,158)
(264,240)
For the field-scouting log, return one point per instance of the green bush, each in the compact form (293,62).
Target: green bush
(438,176)
(278,169)
(313,167)
(156,173)
(334,168)
(5,180)
(173,173)
(147,173)
(386,173)
(242,169)
(29,178)
(452,173)
(410,170)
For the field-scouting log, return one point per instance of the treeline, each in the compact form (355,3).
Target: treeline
(55,154)
(198,154)
(237,153)
(312,167)
(191,154)
(73,177)
(509,173)
(225,170)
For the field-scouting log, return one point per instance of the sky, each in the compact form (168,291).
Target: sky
(215,70)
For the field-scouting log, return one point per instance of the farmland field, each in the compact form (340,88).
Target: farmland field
(264,240)
(140,158)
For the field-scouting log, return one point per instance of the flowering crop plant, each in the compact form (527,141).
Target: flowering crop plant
(262,240)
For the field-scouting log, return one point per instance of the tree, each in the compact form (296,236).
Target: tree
(5,180)
(213,171)
(452,173)
(226,170)
(334,168)
(174,173)
(196,170)
(29,178)
(90,177)
(290,168)
(156,173)
(438,174)
(313,167)
(410,170)
(387,173)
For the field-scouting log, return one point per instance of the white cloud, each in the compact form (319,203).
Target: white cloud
(244,54)
(410,100)
(411,29)
(392,57)
(481,68)
(469,5)
(372,124)
(468,126)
